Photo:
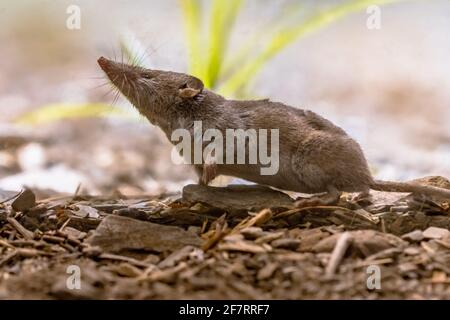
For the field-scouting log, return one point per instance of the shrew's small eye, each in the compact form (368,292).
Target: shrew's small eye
(184,86)
(146,76)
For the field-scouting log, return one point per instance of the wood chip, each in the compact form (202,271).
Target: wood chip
(125,269)
(435,233)
(269,237)
(252,232)
(167,275)
(291,244)
(267,271)
(176,257)
(132,261)
(242,246)
(24,201)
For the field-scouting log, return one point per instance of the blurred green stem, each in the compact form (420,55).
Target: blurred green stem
(287,36)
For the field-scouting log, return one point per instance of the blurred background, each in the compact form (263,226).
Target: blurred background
(388,87)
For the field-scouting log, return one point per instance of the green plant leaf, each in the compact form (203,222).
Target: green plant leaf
(192,11)
(60,111)
(244,53)
(222,18)
(207,61)
(283,38)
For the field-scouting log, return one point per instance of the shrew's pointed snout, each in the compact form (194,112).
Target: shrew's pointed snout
(112,68)
(117,72)
(121,75)
(104,63)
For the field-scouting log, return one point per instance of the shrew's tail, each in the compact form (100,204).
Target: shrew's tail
(392,186)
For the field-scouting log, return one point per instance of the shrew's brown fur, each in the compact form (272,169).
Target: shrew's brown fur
(314,154)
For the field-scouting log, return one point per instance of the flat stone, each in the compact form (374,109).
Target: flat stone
(435,233)
(116,233)
(237,197)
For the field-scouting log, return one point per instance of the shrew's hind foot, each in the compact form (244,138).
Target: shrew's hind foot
(363,197)
(330,198)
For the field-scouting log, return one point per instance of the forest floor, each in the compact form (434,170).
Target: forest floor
(130,230)
(235,242)
(137,228)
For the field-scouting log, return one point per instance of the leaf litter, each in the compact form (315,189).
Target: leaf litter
(236,242)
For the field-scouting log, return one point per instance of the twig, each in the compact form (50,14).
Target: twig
(31,253)
(64,224)
(204,225)
(338,253)
(27,234)
(77,191)
(24,253)
(220,232)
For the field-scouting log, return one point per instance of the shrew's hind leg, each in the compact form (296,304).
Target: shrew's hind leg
(209,173)
(329,198)
(206,173)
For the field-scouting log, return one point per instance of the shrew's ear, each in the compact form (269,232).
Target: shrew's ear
(192,87)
